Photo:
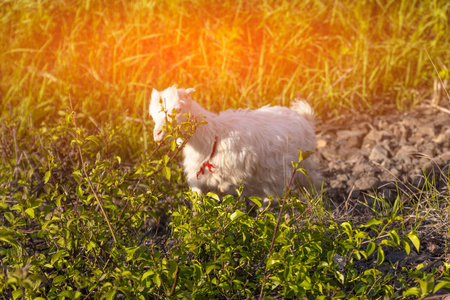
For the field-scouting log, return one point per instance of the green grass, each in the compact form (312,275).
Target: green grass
(106,56)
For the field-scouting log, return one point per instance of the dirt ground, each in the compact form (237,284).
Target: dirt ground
(388,156)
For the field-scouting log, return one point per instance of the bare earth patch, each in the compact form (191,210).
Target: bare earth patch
(369,161)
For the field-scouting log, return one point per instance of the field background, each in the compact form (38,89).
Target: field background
(84,189)
(108,55)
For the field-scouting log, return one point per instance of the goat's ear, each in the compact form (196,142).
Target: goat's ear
(189,91)
(187,97)
(156,97)
(185,94)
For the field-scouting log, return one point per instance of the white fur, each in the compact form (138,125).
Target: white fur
(254,147)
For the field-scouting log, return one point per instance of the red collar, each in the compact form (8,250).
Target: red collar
(207,164)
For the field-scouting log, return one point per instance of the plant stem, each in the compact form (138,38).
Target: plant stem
(86,174)
(276,230)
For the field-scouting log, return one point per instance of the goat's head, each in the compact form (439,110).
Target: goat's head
(171,102)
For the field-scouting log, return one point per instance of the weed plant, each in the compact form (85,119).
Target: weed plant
(77,225)
(85,194)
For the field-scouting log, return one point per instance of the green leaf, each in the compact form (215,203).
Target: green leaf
(256,200)
(213,196)
(147,274)
(372,222)
(389,243)
(58,279)
(360,235)
(110,295)
(173,144)
(237,214)
(58,200)
(94,139)
(347,227)
(197,274)
(426,285)
(8,239)
(57,255)
(211,267)
(4,205)
(420,266)
(370,248)
(414,291)
(271,262)
(414,239)
(157,280)
(306,284)
(303,171)
(91,245)
(76,141)
(9,216)
(65,294)
(104,275)
(173,267)
(441,285)
(380,255)
(395,207)
(79,191)
(304,155)
(77,174)
(29,212)
(406,246)
(166,172)
(339,276)
(447,266)
(395,238)
(372,272)
(17,293)
(47,176)
(287,272)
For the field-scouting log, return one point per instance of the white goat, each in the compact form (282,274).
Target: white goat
(252,147)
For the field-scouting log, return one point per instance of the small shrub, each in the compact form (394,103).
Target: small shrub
(90,227)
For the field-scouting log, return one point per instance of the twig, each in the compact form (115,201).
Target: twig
(175,281)
(86,174)
(441,108)
(16,152)
(443,85)
(301,215)
(339,80)
(276,230)
(373,285)
(162,166)
(131,215)
(442,296)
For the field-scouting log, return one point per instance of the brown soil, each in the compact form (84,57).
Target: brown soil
(405,155)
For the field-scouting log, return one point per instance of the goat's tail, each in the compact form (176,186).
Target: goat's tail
(304,109)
